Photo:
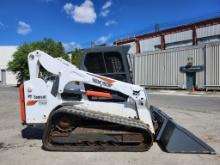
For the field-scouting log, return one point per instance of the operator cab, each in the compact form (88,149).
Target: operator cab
(109,61)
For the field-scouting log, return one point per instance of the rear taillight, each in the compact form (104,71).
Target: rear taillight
(22,104)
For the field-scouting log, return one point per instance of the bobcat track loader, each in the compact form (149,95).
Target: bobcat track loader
(83,111)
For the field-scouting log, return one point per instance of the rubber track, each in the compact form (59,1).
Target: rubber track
(123,121)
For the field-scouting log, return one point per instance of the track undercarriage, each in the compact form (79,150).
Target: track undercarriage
(71,129)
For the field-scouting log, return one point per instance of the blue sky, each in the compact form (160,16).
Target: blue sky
(77,23)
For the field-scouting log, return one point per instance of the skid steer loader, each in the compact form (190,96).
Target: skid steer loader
(83,111)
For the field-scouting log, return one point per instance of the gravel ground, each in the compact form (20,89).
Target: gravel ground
(201,115)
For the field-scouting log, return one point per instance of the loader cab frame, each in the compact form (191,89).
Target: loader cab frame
(109,61)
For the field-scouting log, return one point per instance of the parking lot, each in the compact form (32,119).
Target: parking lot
(199,114)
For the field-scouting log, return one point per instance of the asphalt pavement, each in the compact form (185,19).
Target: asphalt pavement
(199,114)
(197,103)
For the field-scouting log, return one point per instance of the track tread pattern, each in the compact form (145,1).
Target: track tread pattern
(123,121)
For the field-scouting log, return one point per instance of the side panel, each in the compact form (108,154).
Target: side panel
(39,101)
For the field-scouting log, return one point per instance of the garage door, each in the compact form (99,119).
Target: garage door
(3,76)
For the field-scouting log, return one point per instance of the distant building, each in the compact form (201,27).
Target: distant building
(196,33)
(185,57)
(6,76)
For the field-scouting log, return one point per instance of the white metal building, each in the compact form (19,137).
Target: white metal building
(6,76)
(186,56)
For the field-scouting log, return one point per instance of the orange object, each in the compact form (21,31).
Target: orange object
(109,81)
(98,94)
(22,105)
(31,102)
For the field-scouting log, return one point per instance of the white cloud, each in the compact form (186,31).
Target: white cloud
(105,8)
(2,26)
(85,13)
(23,28)
(110,22)
(107,4)
(71,46)
(103,39)
(104,13)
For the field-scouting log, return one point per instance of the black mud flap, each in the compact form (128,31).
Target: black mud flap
(173,138)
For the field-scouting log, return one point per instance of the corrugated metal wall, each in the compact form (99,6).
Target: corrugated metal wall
(181,36)
(172,40)
(179,39)
(208,31)
(149,44)
(212,65)
(162,68)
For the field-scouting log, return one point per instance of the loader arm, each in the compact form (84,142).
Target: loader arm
(69,72)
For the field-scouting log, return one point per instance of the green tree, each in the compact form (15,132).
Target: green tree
(76,56)
(19,64)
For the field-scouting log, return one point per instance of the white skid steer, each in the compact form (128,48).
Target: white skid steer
(83,111)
